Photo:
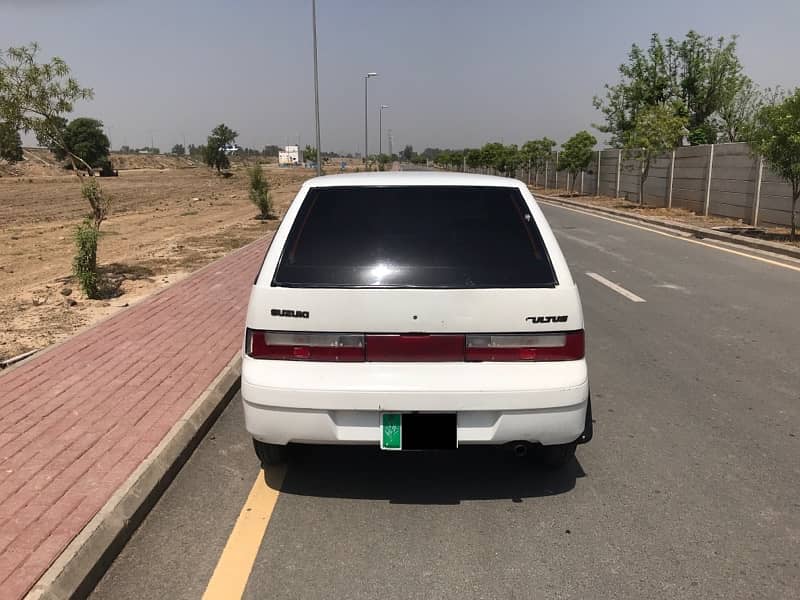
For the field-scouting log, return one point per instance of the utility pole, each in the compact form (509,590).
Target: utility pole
(316,84)
(366,116)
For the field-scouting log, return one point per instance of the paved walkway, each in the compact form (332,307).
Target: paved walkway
(77,420)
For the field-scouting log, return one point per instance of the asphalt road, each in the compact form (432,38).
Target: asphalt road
(690,489)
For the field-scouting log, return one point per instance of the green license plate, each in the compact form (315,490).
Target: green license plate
(391,431)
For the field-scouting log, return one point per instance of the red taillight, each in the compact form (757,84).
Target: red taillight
(325,347)
(415,348)
(347,347)
(526,347)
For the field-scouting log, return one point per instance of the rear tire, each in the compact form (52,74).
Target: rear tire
(271,454)
(556,457)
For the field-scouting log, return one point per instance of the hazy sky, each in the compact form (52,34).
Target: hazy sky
(455,73)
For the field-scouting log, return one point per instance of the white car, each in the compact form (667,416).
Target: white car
(415,311)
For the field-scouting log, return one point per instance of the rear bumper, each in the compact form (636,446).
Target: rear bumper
(495,403)
(283,426)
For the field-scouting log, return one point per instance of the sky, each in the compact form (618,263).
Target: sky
(455,73)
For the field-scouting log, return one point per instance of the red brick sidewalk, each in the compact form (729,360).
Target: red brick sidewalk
(77,420)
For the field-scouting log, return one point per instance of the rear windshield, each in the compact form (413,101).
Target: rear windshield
(414,236)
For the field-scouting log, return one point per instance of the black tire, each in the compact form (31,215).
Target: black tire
(270,454)
(556,457)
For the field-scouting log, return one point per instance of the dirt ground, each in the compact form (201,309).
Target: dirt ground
(681,215)
(164,224)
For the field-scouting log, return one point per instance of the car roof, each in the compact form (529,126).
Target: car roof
(403,178)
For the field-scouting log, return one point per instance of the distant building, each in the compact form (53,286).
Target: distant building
(290,155)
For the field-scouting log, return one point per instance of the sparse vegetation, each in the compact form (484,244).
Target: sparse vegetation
(84,264)
(259,192)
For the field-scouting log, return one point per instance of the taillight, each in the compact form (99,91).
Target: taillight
(525,347)
(326,347)
(348,347)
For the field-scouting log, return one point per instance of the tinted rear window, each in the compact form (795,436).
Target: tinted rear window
(433,236)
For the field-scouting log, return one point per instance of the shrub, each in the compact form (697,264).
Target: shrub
(259,192)
(84,264)
(98,200)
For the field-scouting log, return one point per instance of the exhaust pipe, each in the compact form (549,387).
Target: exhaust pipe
(520,449)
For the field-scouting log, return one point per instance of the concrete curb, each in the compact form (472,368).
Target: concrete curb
(84,561)
(699,232)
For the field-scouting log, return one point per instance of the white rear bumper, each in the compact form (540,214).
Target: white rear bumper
(495,403)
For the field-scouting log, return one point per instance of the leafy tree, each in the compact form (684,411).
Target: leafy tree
(576,155)
(537,152)
(178,150)
(35,97)
(407,153)
(214,153)
(656,130)
(84,138)
(694,76)
(474,158)
(10,143)
(737,115)
(125,149)
(309,153)
(776,136)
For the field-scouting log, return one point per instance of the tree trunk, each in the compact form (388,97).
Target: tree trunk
(795,195)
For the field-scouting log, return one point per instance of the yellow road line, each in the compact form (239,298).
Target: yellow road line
(236,562)
(677,237)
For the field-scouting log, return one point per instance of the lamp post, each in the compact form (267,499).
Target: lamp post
(316,84)
(366,118)
(380,128)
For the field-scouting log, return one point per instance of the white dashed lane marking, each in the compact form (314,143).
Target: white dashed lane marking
(617,288)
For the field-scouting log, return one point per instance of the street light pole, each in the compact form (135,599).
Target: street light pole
(316,84)
(366,117)
(380,128)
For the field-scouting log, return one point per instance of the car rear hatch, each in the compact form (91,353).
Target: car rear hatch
(415,274)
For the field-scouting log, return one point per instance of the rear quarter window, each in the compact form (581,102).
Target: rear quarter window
(414,236)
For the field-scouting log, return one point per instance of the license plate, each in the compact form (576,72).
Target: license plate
(418,431)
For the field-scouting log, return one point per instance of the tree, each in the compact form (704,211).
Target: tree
(215,155)
(309,153)
(34,97)
(537,152)
(693,76)
(10,143)
(776,136)
(259,192)
(83,138)
(473,157)
(656,130)
(125,149)
(407,153)
(737,114)
(178,150)
(576,154)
